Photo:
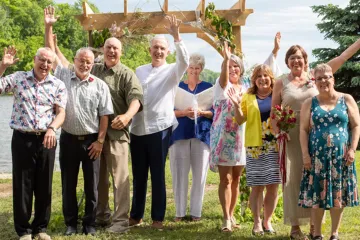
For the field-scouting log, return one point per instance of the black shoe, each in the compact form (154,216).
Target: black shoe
(317,238)
(70,230)
(89,230)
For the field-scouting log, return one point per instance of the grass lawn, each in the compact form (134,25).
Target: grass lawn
(207,228)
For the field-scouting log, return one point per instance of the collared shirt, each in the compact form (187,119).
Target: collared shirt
(159,85)
(34,102)
(124,88)
(88,100)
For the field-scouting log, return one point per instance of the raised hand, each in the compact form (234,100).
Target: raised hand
(174,25)
(9,56)
(49,16)
(276,43)
(226,51)
(235,96)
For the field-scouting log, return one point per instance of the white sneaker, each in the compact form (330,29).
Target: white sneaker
(42,236)
(26,237)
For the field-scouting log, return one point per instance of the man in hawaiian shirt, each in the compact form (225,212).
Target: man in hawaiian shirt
(38,111)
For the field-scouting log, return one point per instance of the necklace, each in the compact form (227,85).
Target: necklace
(263,96)
(194,91)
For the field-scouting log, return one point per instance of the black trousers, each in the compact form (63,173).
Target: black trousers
(73,151)
(149,151)
(32,172)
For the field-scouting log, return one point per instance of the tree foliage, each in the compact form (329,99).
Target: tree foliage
(341,25)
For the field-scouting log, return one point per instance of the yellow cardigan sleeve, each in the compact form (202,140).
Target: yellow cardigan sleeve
(253,129)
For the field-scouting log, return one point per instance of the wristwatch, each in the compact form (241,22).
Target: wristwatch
(52,128)
(100,141)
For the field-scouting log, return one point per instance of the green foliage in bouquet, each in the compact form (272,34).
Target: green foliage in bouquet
(223,26)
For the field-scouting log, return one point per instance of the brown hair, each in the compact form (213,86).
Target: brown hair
(260,68)
(292,50)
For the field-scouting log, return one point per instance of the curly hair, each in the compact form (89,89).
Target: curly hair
(262,68)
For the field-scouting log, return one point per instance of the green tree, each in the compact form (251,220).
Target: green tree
(341,25)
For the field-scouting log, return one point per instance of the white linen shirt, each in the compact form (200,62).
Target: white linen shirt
(159,85)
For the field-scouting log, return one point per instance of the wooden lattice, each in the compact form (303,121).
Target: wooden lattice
(155,21)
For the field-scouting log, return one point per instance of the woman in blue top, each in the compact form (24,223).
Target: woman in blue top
(190,146)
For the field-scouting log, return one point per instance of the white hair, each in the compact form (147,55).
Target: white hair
(322,68)
(197,59)
(159,37)
(84,50)
(115,39)
(46,49)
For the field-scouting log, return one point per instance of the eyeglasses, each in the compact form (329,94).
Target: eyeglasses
(84,62)
(325,78)
(44,60)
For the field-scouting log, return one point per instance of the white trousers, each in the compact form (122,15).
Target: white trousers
(186,154)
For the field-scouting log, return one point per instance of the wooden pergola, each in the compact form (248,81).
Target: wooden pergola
(237,15)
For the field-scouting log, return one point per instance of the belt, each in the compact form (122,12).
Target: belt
(37,133)
(79,137)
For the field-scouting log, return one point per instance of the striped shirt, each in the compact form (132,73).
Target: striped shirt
(88,100)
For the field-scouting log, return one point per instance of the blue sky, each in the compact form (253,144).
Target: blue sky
(294,19)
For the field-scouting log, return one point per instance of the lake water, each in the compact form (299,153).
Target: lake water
(6,103)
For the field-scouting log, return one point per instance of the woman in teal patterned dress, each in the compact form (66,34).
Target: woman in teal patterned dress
(329,134)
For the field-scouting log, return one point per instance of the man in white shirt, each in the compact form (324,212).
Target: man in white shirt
(151,129)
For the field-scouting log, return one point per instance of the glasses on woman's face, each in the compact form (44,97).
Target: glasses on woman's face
(325,78)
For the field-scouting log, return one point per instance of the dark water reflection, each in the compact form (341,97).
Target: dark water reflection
(6,134)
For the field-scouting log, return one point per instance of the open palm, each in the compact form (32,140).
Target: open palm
(9,56)
(49,15)
(234,96)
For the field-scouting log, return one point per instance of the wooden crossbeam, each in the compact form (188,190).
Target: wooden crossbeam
(209,40)
(101,21)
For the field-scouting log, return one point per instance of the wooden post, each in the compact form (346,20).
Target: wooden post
(201,7)
(166,6)
(125,7)
(91,42)
(237,34)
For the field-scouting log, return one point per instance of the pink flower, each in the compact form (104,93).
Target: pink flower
(91,79)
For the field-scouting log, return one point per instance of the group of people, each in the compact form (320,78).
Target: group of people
(95,104)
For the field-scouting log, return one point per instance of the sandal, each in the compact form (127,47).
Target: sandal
(334,237)
(226,226)
(257,233)
(268,231)
(298,235)
(234,224)
(317,238)
(178,219)
(195,219)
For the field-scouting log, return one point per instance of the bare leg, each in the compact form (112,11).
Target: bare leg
(336,215)
(270,202)
(318,214)
(225,184)
(236,173)
(255,205)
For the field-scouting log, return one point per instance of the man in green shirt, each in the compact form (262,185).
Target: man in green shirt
(126,94)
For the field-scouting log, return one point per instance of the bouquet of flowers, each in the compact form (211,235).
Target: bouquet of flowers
(285,120)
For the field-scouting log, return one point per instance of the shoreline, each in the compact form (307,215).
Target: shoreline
(5,175)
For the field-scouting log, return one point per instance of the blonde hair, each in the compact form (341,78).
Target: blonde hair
(257,70)
(197,59)
(322,67)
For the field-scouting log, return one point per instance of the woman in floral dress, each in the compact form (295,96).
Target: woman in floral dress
(292,90)
(329,134)
(227,152)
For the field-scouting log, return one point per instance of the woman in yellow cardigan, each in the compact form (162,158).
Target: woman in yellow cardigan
(262,169)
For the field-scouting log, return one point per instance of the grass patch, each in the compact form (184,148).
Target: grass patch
(207,228)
